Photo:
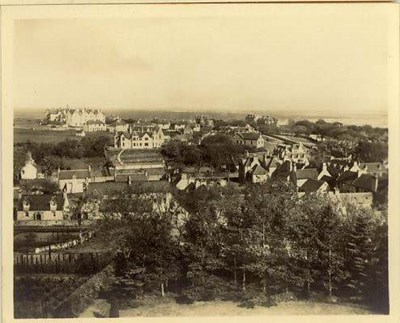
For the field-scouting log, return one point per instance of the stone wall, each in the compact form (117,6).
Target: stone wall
(82,297)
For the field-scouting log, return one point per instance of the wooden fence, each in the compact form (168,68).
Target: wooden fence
(61,263)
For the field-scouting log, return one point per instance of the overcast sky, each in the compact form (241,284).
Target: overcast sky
(331,58)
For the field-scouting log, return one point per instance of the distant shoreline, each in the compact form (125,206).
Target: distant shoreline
(377,120)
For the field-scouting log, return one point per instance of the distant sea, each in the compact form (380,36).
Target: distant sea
(379,120)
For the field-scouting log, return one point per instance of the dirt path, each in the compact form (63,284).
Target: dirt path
(168,307)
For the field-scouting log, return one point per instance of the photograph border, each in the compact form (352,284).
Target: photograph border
(23,11)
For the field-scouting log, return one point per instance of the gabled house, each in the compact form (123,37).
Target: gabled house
(300,176)
(29,171)
(297,153)
(314,186)
(75,180)
(256,167)
(42,207)
(357,181)
(140,137)
(252,139)
(119,126)
(94,125)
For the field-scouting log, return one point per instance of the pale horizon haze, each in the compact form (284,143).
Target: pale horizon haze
(318,60)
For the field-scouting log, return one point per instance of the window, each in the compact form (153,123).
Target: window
(27,214)
(54,213)
(146,144)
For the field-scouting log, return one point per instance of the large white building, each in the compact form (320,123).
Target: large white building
(74,117)
(29,171)
(140,137)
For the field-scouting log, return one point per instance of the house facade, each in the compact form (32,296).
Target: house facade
(140,137)
(74,117)
(252,139)
(42,207)
(74,181)
(294,152)
(94,125)
(29,171)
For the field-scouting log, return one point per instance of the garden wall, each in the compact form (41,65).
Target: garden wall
(82,297)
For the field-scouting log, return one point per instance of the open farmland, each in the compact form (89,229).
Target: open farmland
(22,135)
(42,136)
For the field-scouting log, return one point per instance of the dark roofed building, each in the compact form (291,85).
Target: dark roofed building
(313,186)
(283,171)
(75,180)
(308,173)
(330,180)
(347,177)
(357,182)
(366,183)
(42,207)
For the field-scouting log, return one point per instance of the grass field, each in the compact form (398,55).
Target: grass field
(156,307)
(39,136)
(22,135)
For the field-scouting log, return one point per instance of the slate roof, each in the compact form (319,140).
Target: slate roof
(330,180)
(308,173)
(311,185)
(347,177)
(259,170)
(272,162)
(366,182)
(334,171)
(249,135)
(79,173)
(41,202)
(283,170)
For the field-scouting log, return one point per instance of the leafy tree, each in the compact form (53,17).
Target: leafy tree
(142,235)
(371,151)
(19,161)
(52,163)
(359,255)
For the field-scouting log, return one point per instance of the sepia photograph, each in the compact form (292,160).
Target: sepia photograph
(197,160)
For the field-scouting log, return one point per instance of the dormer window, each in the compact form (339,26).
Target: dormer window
(26,205)
(53,205)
